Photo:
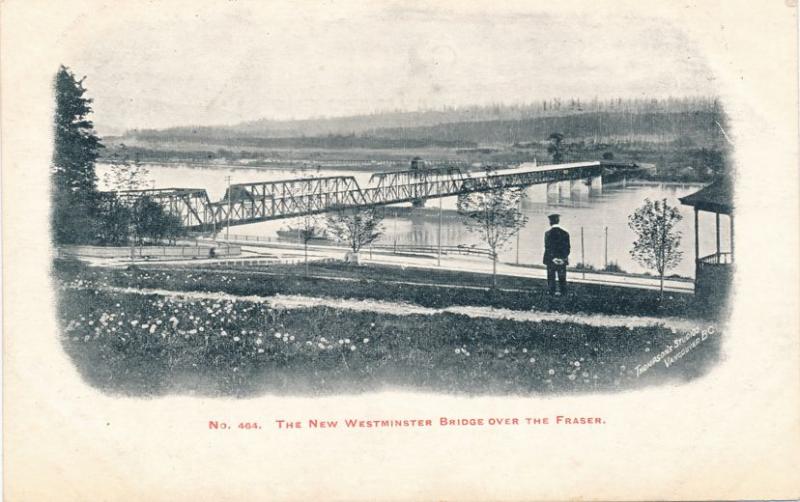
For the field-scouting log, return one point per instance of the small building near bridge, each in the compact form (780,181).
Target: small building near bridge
(714,272)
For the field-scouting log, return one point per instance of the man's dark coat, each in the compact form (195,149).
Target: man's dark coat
(556,245)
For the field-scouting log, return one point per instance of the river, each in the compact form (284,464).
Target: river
(600,214)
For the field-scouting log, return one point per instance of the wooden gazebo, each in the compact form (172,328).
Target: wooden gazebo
(713,273)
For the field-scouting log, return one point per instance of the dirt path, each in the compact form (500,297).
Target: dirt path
(397,308)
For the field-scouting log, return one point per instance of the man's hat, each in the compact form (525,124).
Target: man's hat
(553,218)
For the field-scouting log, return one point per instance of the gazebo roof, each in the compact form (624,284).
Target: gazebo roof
(716,197)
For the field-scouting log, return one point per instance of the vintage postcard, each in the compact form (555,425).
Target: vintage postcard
(400,250)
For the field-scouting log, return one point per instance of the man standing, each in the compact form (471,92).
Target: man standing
(556,256)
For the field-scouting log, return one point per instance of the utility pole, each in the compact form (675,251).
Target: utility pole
(439,236)
(519,230)
(395,231)
(583,261)
(228,226)
(132,237)
(605,253)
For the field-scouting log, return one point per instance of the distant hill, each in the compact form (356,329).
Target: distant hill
(683,138)
(459,127)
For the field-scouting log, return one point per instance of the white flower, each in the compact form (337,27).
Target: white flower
(291,338)
(551,372)
(260,351)
(236,338)
(352,347)
(458,351)
(259,342)
(533,359)
(366,340)
(277,335)
(341,342)
(577,364)
(346,340)
(524,351)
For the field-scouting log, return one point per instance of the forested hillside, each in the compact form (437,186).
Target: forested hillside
(503,123)
(698,127)
(685,138)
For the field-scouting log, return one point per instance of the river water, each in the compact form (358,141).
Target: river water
(601,215)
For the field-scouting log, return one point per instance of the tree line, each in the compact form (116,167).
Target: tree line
(371,124)
(328,141)
(702,128)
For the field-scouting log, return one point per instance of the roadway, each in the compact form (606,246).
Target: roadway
(286,252)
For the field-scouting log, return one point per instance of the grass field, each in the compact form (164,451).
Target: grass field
(429,288)
(149,345)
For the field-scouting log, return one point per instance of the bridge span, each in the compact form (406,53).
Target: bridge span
(245,203)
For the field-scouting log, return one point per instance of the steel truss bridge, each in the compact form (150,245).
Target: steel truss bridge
(245,203)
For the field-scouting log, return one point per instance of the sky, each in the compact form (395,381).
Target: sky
(228,62)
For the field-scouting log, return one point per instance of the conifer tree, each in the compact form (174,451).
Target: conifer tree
(76,146)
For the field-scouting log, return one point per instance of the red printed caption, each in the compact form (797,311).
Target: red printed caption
(217,425)
(356,423)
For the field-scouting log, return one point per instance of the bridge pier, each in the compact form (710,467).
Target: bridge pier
(565,189)
(596,184)
(559,189)
(538,193)
(418,203)
(580,186)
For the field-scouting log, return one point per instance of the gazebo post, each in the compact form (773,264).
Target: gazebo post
(717,218)
(730,217)
(696,235)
